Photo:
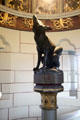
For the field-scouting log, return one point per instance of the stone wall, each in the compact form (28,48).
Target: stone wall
(17,59)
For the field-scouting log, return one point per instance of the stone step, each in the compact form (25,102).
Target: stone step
(70,116)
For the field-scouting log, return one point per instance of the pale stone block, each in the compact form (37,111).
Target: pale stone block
(6,96)
(66,86)
(15,88)
(74,59)
(73,77)
(5,61)
(3,114)
(0,95)
(78,81)
(65,76)
(27,119)
(66,46)
(63,94)
(31,119)
(66,62)
(78,86)
(70,86)
(22,61)
(6,101)
(61,62)
(77,51)
(18,112)
(16,61)
(66,39)
(27,99)
(6,76)
(0,87)
(78,94)
(69,62)
(24,76)
(34,111)
(65,110)
(35,60)
(28,48)
(11,39)
(39,118)
(27,37)
(70,101)
(72,36)
(79,63)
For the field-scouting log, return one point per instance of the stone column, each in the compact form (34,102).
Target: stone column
(61,4)
(33,6)
(49,106)
(78,76)
(48,84)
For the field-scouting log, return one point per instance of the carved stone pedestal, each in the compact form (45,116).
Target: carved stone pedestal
(48,84)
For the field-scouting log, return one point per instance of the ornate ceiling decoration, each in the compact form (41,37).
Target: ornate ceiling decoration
(46,6)
(21,23)
(20,5)
(42,6)
(16,19)
(70,5)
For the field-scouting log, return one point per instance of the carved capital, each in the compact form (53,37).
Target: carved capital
(49,100)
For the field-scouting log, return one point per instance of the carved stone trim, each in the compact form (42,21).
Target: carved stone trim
(48,90)
(24,23)
(21,21)
(29,15)
(49,100)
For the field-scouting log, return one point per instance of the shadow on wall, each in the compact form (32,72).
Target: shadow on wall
(66,44)
(5,61)
(70,49)
(3,42)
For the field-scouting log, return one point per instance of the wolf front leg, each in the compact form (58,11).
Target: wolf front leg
(38,61)
(45,63)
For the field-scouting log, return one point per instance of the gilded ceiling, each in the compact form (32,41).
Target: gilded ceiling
(40,7)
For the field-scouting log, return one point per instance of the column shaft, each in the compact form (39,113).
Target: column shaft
(49,114)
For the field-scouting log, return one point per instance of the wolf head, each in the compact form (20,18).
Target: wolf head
(37,23)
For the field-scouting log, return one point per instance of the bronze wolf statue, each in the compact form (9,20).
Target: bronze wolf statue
(48,53)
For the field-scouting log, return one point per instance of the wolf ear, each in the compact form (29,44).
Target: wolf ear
(35,17)
(35,21)
(58,50)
